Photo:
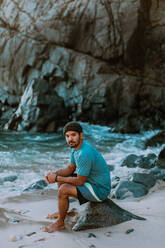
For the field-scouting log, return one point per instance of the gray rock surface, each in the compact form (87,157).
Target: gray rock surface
(146,162)
(103,214)
(41,184)
(40,109)
(129,189)
(147,180)
(105,59)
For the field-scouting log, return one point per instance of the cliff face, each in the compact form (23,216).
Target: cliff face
(103,60)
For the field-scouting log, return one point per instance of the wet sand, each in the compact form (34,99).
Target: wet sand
(22,218)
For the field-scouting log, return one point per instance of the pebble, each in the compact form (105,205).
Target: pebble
(91,235)
(129,231)
(108,234)
(92,246)
(14,220)
(30,234)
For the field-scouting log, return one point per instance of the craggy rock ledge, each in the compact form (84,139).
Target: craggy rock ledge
(103,61)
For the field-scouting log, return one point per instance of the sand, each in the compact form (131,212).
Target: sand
(30,211)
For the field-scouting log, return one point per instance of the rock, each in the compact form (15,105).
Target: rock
(91,235)
(103,214)
(14,220)
(11,178)
(103,69)
(108,234)
(147,180)
(40,106)
(158,139)
(41,184)
(127,188)
(146,162)
(129,231)
(158,173)
(131,161)
(161,159)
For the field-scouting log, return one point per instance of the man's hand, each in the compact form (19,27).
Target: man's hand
(50,177)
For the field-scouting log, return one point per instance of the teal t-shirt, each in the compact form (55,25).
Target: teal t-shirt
(89,162)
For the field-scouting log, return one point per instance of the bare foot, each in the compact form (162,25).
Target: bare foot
(52,216)
(56,214)
(54,227)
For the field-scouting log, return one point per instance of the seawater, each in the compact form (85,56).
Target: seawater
(29,156)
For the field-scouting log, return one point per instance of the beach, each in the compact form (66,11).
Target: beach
(25,218)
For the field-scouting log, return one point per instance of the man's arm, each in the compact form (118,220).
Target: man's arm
(66,171)
(63,172)
(76,181)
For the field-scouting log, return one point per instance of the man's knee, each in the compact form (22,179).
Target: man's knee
(63,190)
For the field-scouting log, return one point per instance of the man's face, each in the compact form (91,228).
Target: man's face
(73,138)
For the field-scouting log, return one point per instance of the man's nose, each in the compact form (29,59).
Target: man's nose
(70,138)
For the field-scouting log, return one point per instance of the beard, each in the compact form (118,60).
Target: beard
(74,144)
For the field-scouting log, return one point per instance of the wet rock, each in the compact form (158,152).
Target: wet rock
(129,189)
(103,214)
(115,181)
(146,179)
(157,139)
(11,178)
(131,161)
(41,184)
(158,173)
(146,162)
(161,159)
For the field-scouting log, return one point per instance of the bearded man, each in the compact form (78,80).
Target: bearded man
(91,181)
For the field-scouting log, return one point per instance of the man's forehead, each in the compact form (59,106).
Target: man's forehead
(71,132)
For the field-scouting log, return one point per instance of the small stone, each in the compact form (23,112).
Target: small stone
(41,239)
(129,231)
(92,246)
(91,235)
(108,234)
(14,220)
(30,234)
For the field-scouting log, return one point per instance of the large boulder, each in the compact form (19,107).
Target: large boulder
(157,139)
(129,189)
(103,214)
(147,180)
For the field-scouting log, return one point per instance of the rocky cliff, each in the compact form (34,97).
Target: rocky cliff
(100,61)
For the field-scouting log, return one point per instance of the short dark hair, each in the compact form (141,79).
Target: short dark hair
(72,126)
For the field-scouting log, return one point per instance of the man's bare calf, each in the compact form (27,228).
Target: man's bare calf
(65,191)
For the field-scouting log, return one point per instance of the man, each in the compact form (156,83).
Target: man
(92,181)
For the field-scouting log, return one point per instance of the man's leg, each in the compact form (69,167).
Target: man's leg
(64,192)
(56,214)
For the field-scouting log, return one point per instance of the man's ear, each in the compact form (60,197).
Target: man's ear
(81,135)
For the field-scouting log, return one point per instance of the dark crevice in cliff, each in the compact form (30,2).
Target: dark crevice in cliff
(136,50)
